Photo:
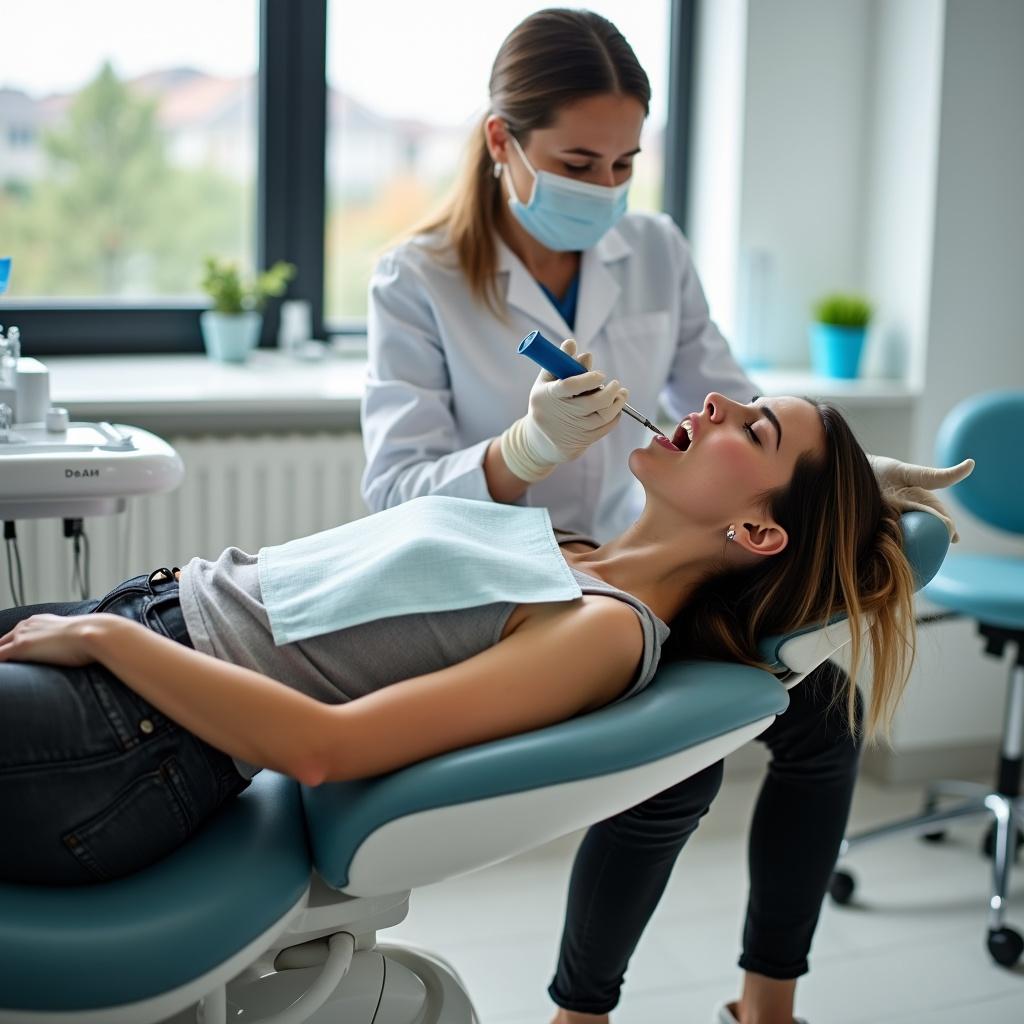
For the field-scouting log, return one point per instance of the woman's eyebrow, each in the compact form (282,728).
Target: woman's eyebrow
(773,419)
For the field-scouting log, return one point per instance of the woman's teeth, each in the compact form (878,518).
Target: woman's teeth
(683,435)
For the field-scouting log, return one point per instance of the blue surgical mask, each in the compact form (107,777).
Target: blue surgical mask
(563,214)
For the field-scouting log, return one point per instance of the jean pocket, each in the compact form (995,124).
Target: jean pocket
(144,822)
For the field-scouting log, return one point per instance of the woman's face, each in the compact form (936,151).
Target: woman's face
(737,453)
(592,140)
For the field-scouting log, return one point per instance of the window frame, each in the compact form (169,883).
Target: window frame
(291,195)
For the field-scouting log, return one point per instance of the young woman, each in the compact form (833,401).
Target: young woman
(125,723)
(535,234)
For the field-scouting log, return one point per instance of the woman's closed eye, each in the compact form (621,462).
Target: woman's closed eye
(749,428)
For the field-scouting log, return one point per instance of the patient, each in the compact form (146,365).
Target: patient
(125,723)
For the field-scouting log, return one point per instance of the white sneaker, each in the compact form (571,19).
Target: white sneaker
(723,1015)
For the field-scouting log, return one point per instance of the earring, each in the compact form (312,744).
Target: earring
(730,534)
(497,170)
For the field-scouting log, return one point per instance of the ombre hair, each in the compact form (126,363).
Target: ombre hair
(844,556)
(551,59)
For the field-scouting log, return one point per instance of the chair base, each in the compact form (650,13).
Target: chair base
(383,985)
(975,800)
(328,967)
(1003,802)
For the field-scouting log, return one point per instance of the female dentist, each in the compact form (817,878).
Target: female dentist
(535,235)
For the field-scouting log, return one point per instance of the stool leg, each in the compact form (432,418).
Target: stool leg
(1006,821)
(1013,733)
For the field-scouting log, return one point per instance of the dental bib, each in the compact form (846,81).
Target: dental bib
(430,554)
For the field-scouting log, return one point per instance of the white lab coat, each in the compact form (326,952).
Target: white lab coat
(444,376)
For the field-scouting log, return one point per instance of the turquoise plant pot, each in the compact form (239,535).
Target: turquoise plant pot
(836,351)
(230,337)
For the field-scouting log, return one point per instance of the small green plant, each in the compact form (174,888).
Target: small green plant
(842,309)
(222,282)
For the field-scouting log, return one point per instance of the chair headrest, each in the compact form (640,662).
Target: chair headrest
(986,428)
(925,543)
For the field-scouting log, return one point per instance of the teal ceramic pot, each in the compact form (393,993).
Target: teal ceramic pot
(230,337)
(836,351)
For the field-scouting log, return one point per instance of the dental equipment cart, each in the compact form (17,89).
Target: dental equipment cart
(52,467)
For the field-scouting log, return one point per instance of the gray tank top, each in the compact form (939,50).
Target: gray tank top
(225,617)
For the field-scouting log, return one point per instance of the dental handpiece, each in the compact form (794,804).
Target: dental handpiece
(561,365)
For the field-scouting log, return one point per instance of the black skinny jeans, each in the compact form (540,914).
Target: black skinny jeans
(95,782)
(624,862)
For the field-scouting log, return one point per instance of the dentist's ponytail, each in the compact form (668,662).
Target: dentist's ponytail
(551,59)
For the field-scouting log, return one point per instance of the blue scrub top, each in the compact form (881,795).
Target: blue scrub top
(567,305)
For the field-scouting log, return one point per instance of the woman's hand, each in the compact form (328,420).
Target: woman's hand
(55,639)
(565,417)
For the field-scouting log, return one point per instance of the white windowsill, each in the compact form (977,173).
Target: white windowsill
(190,393)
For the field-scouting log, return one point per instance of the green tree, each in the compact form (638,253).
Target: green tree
(112,216)
(108,168)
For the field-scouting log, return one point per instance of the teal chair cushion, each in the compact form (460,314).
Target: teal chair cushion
(987,428)
(988,588)
(96,946)
(686,704)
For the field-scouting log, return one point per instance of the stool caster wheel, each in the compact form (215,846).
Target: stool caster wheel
(841,886)
(988,844)
(1005,945)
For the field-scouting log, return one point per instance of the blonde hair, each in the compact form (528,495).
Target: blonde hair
(552,58)
(845,556)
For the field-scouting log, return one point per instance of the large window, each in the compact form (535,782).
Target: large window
(137,136)
(127,146)
(406,82)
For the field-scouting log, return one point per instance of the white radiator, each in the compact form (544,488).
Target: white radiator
(245,491)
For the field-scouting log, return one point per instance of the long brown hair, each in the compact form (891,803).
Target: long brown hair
(551,59)
(844,555)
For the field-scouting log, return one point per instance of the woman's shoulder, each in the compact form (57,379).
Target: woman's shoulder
(655,235)
(424,254)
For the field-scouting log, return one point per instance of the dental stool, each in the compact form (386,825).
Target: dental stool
(250,921)
(989,589)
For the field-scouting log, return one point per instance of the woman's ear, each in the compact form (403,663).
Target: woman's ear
(496,136)
(766,538)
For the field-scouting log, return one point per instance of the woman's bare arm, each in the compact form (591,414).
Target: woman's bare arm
(241,712)
(572,658)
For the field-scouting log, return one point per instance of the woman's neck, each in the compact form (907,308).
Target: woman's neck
(552,269)
(660,568)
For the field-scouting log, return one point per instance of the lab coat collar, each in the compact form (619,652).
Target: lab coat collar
(599,291)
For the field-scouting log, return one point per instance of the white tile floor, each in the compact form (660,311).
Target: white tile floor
(911,951)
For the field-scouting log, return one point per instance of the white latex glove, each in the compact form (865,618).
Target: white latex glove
(910,487)
(563,419)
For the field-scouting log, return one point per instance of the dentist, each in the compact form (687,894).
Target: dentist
(535,235)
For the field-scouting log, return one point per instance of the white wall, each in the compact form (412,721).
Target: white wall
(881,146)
(714,212)
(904,82)
(975,332)
(803,157)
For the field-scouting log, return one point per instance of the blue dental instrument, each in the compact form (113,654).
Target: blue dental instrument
(561,365)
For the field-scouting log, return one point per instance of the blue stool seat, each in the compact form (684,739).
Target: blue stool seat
(988,588)
(88,947)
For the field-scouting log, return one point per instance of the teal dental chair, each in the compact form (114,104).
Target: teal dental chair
(270,914)
(989,589)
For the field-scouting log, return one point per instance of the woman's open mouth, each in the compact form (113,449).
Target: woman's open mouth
(683,436)
(681,439)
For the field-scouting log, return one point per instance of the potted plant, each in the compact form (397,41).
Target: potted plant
(231,330)
(837,334)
